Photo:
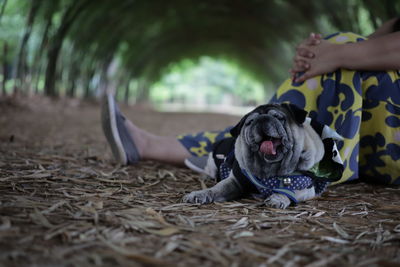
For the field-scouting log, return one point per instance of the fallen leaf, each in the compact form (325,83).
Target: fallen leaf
(39,175)
(38,218)
(243,234)
(334,240)
(242,223)
(163,232)
(340,230)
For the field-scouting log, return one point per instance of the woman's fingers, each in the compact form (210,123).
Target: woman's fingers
(314,39)
(304,52)
(299,66)
(303,77)
(299,60)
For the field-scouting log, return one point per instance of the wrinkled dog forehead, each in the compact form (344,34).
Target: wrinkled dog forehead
(279,114)
(283,110)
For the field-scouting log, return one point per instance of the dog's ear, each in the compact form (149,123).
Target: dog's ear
(298,114)
(235,131)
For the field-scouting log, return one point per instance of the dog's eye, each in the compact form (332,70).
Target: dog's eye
(280,117)
(248,122)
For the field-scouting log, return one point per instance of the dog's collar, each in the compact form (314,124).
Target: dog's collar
(285,185)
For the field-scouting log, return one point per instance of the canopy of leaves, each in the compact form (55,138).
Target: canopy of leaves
(68,46)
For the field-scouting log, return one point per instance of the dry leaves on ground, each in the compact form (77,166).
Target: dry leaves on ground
(63,202)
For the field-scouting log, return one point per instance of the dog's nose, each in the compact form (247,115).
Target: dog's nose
(268,125)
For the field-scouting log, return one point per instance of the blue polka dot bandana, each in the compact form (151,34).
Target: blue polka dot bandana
(224,171)
(285,184)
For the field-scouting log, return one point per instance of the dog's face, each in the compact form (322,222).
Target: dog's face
(272,140)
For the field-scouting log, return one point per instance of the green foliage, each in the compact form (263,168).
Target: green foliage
(11,27)
(208,82)
(157,42)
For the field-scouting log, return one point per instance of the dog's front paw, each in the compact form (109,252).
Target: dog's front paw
(277,201)
(201,197)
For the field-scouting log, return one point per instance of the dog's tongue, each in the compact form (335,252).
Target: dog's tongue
(267,147)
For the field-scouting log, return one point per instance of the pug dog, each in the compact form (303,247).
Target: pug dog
(272,152)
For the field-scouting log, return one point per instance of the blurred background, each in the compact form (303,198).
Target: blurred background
(213,55)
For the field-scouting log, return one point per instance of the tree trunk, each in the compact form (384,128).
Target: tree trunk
(143,93)
(126,95)
(36,77)
(71,90)
(38,58)
(3,7)
(21,58)
(88,92)
(52,56)
(72,77)
(5,70)
(56,44)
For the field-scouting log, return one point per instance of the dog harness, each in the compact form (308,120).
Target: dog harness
(328,170)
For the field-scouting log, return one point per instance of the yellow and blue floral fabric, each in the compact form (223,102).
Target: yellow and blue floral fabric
(362,106)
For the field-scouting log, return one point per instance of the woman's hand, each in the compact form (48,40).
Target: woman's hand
(303,54)
(326,58)
(315,56)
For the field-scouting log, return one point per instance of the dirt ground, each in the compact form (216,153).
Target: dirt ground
(64,203)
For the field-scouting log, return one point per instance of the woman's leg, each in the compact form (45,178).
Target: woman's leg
(130,143)
(380,129)
(155,147)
